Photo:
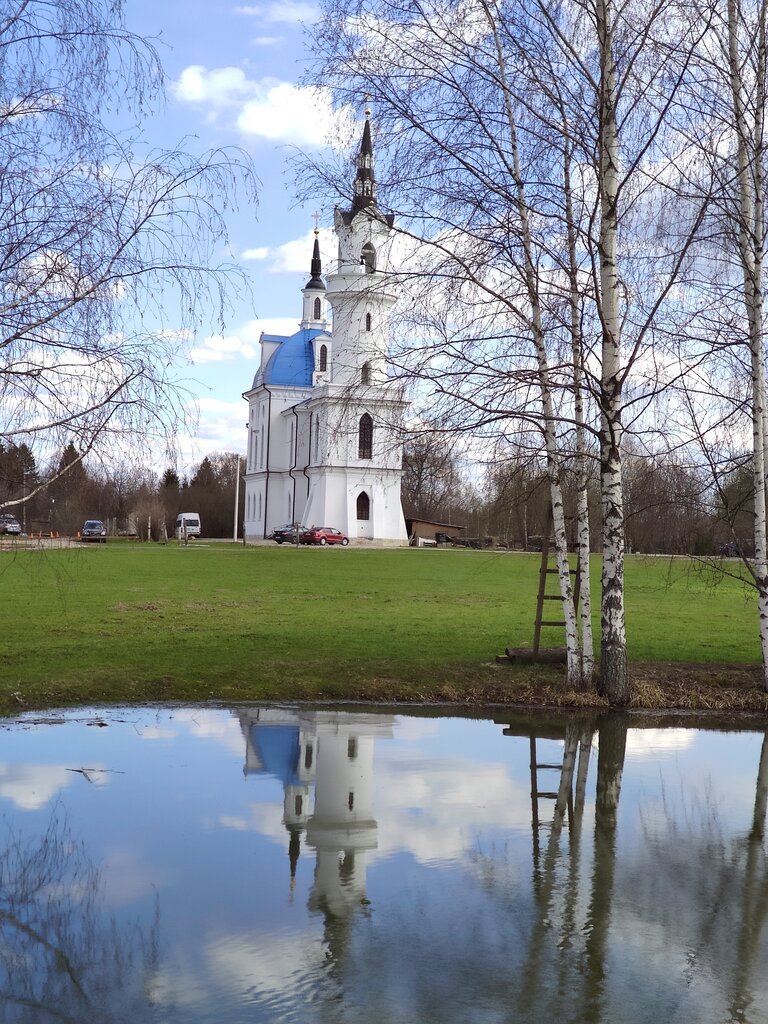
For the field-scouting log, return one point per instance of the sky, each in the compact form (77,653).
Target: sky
(232,80)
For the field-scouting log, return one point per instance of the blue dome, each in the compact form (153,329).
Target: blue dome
(277,748)
(292,363)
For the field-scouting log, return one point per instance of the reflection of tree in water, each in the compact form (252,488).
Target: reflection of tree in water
(60,958)
(680,913)
(709,891)
(657,914)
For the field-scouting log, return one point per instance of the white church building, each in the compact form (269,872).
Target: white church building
(324,417)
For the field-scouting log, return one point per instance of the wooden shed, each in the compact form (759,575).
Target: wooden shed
(429,530)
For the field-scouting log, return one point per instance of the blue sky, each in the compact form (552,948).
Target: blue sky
(233,72)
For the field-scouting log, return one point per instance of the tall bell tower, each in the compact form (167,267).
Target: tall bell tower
(356,412)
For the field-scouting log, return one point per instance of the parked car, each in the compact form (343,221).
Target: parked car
(324,535)
(94,530)
(287,534)
(9,524)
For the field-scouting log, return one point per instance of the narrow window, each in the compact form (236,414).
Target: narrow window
(352,748)
(317,437)
(262,446)
(259,507)
(363,507)
(298,804)
(317,312)
(367,321)
(368,257)
(365,374)
(351,801)
(308,756)
(323,358)
(365,437)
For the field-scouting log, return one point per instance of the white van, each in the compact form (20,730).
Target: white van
(187,525)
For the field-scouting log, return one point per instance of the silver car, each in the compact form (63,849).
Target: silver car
(9,524)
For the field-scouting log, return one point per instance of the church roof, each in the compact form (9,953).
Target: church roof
(277,749)
(316,283)
(292,362)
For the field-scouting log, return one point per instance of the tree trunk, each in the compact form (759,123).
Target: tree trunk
(614,682)
(582,503)
(750,156)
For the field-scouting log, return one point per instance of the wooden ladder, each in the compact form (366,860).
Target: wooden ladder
(545,571)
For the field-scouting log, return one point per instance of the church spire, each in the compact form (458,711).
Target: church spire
(315,283)
(365,183)
(313,292)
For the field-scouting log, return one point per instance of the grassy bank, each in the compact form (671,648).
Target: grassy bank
(215,621)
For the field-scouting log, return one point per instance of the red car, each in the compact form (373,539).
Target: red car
(324,535)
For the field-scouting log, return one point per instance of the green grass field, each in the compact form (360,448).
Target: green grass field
(149,622)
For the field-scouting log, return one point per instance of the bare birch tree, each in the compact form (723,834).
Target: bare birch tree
(529,156)
(481,267)
(722,121)
(106,248)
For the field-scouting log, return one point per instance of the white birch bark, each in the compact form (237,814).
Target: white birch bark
(613,682)
(750,156)
(582,504)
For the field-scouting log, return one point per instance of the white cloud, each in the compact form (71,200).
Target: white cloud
(219,88)
(266,40)
(283,325)
(259,253)
(31,786)
(243,343)
(294,257)
(217,348)
(650,742)
(266,108)
(288,12)
(210,725)
(289,113)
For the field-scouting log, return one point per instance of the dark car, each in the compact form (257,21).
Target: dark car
(324,535)
(94,530)
(9,524)
(287,534)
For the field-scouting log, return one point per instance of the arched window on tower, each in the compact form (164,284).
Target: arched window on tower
(365,373)
(365,438)
(363,507)
(318,310)
(367,321)
(368,257)
(323,358)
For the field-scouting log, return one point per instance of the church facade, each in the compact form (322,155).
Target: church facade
(324,417)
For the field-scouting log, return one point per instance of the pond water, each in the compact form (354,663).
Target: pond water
(296,864)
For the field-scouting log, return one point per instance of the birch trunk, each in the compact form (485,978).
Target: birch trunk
(750,156)
(549,427)
(582,503)
(613,682)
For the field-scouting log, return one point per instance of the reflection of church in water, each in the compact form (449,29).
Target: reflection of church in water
(330,753)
